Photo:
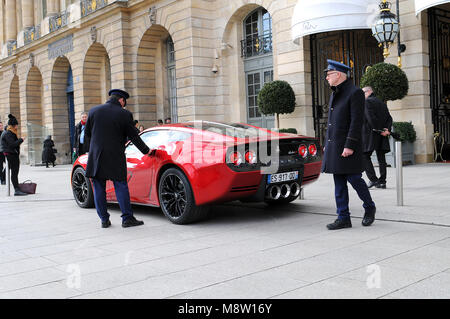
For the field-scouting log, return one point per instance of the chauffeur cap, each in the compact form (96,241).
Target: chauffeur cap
(337,66)
(120,93)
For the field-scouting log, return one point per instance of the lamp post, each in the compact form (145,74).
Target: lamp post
(387,28)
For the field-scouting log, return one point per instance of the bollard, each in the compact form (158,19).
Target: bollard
(399,172)
(8,177)
(302,193)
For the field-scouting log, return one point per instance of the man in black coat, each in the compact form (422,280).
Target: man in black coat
(2,161)
(343,144)
(376,128)
(82,142)
(108,126)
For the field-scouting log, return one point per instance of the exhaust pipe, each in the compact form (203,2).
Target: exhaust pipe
(295,189)
(285,190)
(274,192)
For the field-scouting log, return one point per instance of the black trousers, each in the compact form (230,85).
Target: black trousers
(14,163)
(2,167)
(370,171)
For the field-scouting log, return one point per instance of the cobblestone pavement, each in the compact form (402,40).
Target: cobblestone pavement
(50,248)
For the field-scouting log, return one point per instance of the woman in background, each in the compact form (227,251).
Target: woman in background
(10,146)
(48,153)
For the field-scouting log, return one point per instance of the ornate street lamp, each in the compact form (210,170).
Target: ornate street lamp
(387,28)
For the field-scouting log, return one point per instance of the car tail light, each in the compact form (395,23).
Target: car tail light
(312,149)
(235,158)
(250,157)
(302,150)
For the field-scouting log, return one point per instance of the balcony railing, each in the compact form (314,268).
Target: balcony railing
(256,45)
(12,47)
(32,34)
(59,21)
(89,6)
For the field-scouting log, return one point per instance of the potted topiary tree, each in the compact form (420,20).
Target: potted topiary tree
(407,135)
(390,83)
(276,97)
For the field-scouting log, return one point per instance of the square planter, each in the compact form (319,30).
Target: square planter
(407,154)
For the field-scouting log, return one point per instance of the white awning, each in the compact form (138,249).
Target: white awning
(315,16)
(421,5)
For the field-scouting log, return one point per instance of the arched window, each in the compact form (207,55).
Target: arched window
(258,62)
(257,34)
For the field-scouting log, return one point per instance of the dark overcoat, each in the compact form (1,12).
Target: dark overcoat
(48,155)
(77,144)
(376,116)
(345,120)
(9,143)
(108,126)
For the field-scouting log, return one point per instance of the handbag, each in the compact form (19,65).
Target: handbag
(28,187)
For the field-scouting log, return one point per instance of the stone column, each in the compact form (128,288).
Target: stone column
(11,23)
(52,7)
(27,14)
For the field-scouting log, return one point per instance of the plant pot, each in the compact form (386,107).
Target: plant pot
(407,154)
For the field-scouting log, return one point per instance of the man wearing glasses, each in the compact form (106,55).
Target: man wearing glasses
(343,144)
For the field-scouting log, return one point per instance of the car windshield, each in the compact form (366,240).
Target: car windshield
(232,130)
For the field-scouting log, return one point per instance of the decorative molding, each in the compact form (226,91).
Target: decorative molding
(31,59)
(152,15)
(93,34)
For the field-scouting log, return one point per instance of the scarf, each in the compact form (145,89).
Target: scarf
(14,130)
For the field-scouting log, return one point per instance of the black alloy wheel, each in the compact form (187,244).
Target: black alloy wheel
(177,200)
(82,189)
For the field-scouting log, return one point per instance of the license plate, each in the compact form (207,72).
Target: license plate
(282,177)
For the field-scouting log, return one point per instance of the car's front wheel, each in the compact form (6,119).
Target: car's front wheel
(82,189)
(177,200)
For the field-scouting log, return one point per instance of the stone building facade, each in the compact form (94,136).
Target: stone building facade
(197,60)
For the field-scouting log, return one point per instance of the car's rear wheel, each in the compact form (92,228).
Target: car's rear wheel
(177,200)
(82,189)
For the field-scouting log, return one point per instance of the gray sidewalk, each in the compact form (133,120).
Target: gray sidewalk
(50,248)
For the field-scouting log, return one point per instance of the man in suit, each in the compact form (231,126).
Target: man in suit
(343,145)
(376,129)
(108,126)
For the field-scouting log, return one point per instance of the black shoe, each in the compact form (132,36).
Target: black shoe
(381,185)
(131,222)
(339,224)
(19,193)
(106,224)
(369,217)
(372,184)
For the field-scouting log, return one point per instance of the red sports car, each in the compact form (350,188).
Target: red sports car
(197,164)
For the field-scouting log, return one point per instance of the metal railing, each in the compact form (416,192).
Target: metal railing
(89,6)
(256,45)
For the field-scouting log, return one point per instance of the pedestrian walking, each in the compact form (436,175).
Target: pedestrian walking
(48,152)
(343,145)
(108,126)
(376,130)
(2,161)
(81,145)
(160,122)
(10,147)
(168,120)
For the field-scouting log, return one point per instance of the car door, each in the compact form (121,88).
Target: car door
(140,167)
